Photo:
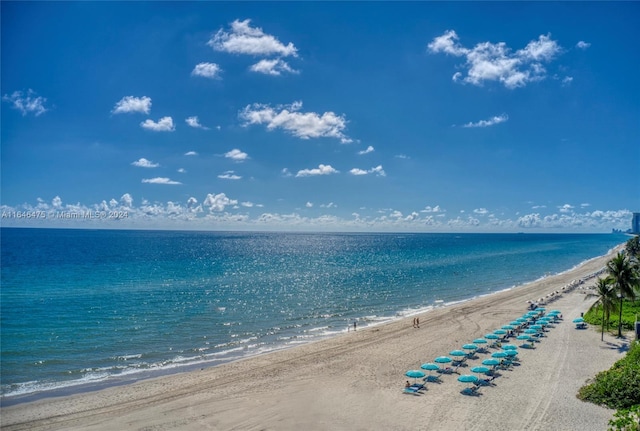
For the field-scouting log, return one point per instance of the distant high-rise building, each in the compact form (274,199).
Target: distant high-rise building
(635,223)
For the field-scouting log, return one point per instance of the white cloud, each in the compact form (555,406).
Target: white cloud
(567,80)
(160,180)
(401,156)
(26,103)
(182,170)
(229,175)
(218,202)
(133,104)
(583,45)
(195,123)
(369,149)
(303,125)
(286,172)
(497,62)
(429,209)
(566,208)
(490,122)
(273,67)
(236,155)
(309,205)
(320,170)
(144,163)
(190,153)
(165,124)
(207,70)
(480,211)
(377,170)
(244,39)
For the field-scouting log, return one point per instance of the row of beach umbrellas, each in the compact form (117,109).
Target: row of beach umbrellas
(535,322)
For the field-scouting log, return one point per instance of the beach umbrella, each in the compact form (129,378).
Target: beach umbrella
(480,341)
(415,374)
(430,366)
(515,323)
(509,347)
(500,332)
(536,327)
(521,320)
(491,336)
(523,337)
(442,359)
(457,353)
(530,331)
(492,362)
(480,370)
(511,353)
(470,347)
(468,378)
(508,327)
(554,312)
(502,354)
(578,320)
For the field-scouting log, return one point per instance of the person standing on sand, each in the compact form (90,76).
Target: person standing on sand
(417,322)
(354,325)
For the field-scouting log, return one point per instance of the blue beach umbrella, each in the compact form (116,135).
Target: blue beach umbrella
(491,362)
(511,353)
(554,312)
(442,359)
(457,353)
(536,326)
(578,320)
(523,337)
(468,378)
(491,336)
(480,370)
(502,354)
(415,374)
(530,331)
(500,331)
(508,327)
(509,347)
(470,347)
(521,320)
(480,341)
(430,366)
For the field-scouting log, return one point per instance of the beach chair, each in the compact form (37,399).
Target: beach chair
(411,391)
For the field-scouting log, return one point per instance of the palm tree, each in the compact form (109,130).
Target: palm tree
(625,280)
(632,247)
(606,295)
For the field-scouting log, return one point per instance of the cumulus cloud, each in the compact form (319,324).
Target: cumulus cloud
(309,205)
(566,208)
(218,202)
(274,67)
(133,104)
(207,70)
(195,123)
(165,124)
(320,170)
(583,45)
(236,155)
(369,149)
(497,62)
(160,180)
(144,163)
(244,39)
(303,125)
(480,211)
(229,175)
(429,209)
(490,122)
(377,171)
(26,103)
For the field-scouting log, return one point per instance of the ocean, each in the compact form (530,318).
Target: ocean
(83,309)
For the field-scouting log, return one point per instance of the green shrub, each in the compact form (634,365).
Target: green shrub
(629,311)
(618,387)
(626,419)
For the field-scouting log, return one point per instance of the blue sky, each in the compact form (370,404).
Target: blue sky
(358,116)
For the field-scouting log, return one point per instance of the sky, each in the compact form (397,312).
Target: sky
(321,116)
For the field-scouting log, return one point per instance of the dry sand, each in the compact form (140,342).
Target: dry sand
(355,381)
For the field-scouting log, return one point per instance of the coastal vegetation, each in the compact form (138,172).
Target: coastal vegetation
(619,387)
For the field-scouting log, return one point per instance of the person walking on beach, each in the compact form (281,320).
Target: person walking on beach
(417,322)
(354,325)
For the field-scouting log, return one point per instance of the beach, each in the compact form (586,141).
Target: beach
(355,380)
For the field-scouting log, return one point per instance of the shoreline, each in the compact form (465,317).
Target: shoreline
(73,387)
(355,379)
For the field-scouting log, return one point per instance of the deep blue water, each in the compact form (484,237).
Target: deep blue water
(90,306)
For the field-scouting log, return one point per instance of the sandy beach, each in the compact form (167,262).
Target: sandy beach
(355,381)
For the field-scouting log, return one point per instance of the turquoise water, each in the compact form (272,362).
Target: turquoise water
(96,307)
